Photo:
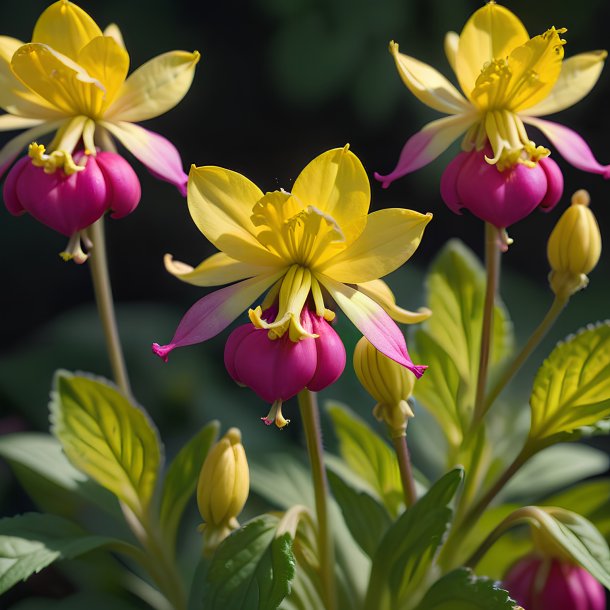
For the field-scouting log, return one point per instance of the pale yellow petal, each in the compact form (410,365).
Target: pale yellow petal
(65,27)
(108,62)
(8,122)
(389,239)
(221,203)
(15,97)
(69,134)
(380,292)
(336,184)
(58,79)
(155,87)
(113,31)
(492,32)
(451,42)
(428,85)
(213,271)
(577,77)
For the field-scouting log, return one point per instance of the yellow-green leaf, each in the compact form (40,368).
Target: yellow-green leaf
(572,387)
(107,437)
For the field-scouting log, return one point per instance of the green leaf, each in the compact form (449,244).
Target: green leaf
(572,387)
(591,500)
(43,469)
(252,569)
(78,601)
(461,590)
(368,455)
(107,437)
(181,478)
(409,546)
(450,341)
(366,519)
(30,542)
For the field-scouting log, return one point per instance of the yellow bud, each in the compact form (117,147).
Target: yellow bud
(574,247)
(222,489)
(389,383)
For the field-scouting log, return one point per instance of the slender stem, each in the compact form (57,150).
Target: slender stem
(98,264)
(406,472)
(533,342)
(313,435)
(492,266)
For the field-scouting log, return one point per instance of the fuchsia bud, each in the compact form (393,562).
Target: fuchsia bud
(70,194)
(539,583)
(500,197)
(279,369)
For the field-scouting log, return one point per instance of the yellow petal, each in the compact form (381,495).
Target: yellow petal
(221,202)
(8,122)
(577,77)
(213,271)
(108,62)
(492,32)
(65,27)
(428,85)
(58,79)
(155,87)
(380,292)
(389,239)
(15,97)
(451,43)
(113,31)
(336,184)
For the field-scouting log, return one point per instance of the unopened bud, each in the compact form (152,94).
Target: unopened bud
(574,247)
(388,382)
(223,488)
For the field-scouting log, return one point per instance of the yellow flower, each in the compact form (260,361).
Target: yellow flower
(72,80)
(508,80)
(316,244)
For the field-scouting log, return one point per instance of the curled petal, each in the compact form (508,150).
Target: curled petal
(65,27)
(155,87)
(577,77)
(373,322)
(214,312)
(336,184)
(215,270)
(492,32)
(570,145)
(427,84)
(153,150)
(426,145)
(388,240)
(451,42)
(380,292)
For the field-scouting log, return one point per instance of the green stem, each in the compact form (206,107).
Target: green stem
(406,471)
(533,342)
(492,266)
(98,264)
(313,435)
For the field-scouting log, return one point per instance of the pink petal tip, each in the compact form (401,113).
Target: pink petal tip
(163,350)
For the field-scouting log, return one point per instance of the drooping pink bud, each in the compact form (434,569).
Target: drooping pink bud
(71,202)
(500,197)
(542,583)
(279,369)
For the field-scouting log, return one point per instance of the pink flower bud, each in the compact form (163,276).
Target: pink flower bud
(279,369)
(500,197)
(71,203)
(539,583)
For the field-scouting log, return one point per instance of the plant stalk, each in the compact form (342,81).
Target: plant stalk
(98,264)
(406,471)
(313,434)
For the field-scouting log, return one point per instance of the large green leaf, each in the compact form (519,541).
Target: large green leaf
(107,437)
(572,387)
(252,569)
(408,548)
(366,519)
(461,590)
(49,478)
(181,478)
(30,542)
(368,455)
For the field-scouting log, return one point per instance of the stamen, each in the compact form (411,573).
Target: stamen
(275,416)
(74,250)
(58,159)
